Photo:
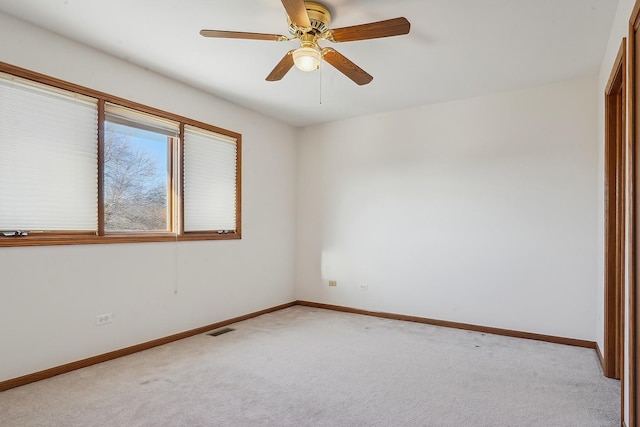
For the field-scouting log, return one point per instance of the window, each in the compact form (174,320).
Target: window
(209,181)
(48,158)
(80,166)
(137,167)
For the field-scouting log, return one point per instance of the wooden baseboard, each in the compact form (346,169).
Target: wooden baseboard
(48,373)
(456,325)
(62,369)
(600,357)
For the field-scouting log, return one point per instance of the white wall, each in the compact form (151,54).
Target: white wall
(619,30)
(49,296)
(480,211)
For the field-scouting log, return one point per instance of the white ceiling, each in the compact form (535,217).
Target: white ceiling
(456,48)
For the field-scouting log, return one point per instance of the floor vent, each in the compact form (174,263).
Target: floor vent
(220,332)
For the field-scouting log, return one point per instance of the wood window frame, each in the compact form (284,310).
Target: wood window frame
(99,236)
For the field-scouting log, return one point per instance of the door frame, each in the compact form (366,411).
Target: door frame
(633,294)
(615,205)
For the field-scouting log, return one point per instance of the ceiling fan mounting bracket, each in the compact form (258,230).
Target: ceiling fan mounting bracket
(319,16)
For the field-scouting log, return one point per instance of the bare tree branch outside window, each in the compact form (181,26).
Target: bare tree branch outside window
(135,185)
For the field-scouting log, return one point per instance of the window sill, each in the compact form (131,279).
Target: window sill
(56,240)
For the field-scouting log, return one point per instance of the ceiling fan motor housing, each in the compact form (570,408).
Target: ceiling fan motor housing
(319,16)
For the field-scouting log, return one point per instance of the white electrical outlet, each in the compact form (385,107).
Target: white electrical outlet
(364,287)
(103,319)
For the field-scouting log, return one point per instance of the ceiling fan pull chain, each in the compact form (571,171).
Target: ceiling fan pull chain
(320,77)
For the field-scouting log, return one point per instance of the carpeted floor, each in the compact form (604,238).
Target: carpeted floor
(310,367)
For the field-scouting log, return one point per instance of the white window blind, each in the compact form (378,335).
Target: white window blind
(48,158)
(137,119)
(210,168)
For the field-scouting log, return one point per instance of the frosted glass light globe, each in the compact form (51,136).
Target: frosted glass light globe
(306,58)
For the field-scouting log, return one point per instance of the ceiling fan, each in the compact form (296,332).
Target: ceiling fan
(309,22)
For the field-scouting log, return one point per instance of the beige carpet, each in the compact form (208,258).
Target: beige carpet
(309,367)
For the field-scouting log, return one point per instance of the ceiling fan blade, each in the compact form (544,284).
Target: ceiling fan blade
(282,68)
(373,30)
(345,66)
(241,35)
(297,11)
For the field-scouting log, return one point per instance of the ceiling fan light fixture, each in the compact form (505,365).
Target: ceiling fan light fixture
(307,58)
